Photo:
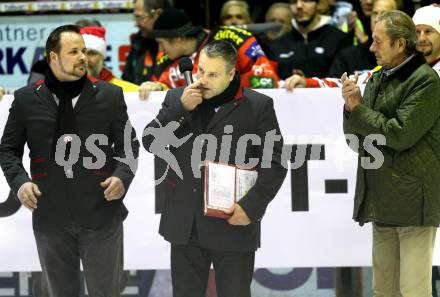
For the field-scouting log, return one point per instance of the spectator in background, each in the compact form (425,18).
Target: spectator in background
(344,18)
(359,59)
(235,13)
(178,37)
(311,45)
(141,59)
(427,21)
(279,12)
(94,39)
(362,12)
(398,192)
(428,43)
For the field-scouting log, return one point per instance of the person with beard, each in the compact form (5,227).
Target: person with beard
(94,39)
(144,52)
(310,47)
(77,209)
(427,21)
(215,103)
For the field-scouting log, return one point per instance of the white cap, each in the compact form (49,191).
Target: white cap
(428,15)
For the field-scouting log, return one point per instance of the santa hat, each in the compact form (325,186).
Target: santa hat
(428,15)
(94,38)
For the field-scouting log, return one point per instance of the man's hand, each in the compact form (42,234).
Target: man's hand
(147,87)
(192,96)
(294,81)
(355,25)
(114,188)
(239,217)
(2,93)
(28,195)
(350,92)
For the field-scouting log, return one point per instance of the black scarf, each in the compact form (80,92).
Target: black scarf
(206,109)
(65,92)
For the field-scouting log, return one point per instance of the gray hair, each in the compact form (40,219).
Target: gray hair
(222,49)
(400,25)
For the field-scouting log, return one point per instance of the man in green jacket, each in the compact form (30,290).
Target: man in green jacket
(397,127)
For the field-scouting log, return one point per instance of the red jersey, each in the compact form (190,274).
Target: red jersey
(253,65)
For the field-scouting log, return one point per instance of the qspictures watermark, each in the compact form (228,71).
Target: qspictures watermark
(164,139)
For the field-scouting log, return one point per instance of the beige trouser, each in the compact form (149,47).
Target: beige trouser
(402,261)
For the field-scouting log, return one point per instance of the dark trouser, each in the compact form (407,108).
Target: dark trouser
(190,266)
(100,251)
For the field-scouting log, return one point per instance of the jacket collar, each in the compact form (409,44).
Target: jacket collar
(226,108)
(86,95)
(406,70)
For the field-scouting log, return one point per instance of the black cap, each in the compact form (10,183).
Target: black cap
(173,23)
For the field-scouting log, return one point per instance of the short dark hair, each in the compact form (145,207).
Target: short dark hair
(222,49)
(156,4)
(53,41)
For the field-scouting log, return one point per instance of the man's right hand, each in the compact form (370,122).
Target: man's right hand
(294,81)
(28,195)
(192,96)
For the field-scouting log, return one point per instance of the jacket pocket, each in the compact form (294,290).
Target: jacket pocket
(398,197)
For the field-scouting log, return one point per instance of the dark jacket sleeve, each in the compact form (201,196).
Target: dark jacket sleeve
(407,127)
(12,147)
(126,145)
(273,170)
(171,110)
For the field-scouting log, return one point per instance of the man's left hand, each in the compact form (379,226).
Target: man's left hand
(147,87)
(239,216)
(114,188)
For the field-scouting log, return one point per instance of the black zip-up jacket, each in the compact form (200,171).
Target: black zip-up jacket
(141,60)
(355,59)
(313,55)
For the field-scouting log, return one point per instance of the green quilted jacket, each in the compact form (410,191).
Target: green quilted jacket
(405,108)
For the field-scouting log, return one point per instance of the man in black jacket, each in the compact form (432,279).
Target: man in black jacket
(312,44)
(141,59)
(216,107)
(83,155)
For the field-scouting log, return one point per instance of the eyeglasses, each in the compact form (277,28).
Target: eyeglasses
(294,2)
